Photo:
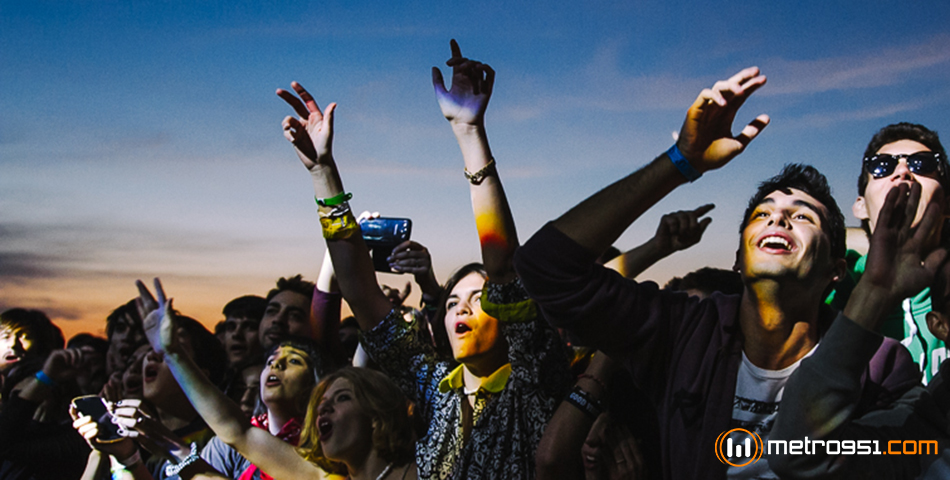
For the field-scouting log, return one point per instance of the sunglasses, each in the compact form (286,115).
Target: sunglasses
(921,163)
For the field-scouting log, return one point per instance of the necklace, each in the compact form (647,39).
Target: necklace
(385,471)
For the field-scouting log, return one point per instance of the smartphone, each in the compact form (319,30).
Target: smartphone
(95,407)
(381,235)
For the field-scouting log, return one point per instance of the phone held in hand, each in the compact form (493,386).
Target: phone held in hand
(95,407)
(381,235)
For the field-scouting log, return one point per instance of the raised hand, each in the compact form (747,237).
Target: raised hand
(64,364)
(472,81)
(898,259)
(706,139)
(311,133)
(159,323)
(900,262)
(681,230)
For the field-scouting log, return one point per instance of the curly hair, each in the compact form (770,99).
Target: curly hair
(379,397)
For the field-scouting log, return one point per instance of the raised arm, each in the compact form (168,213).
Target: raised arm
(225,417)
(821,399)
(677,231)
(325,315)
(705,143)
(464,107)
(312,136)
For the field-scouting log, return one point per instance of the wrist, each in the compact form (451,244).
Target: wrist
(683,164)
(868,305)
(468,129)
(45,379)
(657,250)
(326,180)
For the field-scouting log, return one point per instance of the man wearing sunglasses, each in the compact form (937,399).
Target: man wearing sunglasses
(901,153)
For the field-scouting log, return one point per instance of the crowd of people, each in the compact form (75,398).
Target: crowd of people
(545,360)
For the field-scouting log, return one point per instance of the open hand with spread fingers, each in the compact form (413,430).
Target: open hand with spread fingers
(706,138)
(311,132)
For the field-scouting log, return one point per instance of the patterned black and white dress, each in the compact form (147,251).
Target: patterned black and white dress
(507,425)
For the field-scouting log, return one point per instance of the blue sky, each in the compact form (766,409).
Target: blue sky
(141,139)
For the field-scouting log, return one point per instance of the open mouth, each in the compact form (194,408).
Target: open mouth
(11,358)
(132,384)
(150,373)
(462,328)
(272,381)
(325,426)
(238,348)
(775,242)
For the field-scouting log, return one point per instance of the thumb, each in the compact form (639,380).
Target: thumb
(438,82)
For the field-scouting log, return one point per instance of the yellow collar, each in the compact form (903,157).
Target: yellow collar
(494,383)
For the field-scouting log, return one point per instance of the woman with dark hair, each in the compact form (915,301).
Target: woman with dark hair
(502,371)
(291,371)
(355,419)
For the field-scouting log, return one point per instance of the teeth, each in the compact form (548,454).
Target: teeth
(775,239)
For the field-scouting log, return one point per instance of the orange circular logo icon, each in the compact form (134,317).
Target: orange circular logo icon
(750,447)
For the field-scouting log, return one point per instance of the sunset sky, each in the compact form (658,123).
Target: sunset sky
(142,139)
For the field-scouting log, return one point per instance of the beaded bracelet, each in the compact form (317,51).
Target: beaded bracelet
(172,470)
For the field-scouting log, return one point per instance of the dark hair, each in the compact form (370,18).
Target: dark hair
(809,180)
(235,374)
(314,362)
(207,351)
(440,336)
(905,131)
(80,340)
(45,336)
(118,314)
(294,284)
(305,345)
(709,280)
(249,306)
(350,322)
(380,398)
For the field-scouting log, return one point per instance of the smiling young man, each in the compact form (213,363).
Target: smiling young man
(719,363)
(901,153)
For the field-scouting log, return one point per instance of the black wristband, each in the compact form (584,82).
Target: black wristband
(581,399)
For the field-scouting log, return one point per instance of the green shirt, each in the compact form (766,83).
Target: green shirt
(907,324)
